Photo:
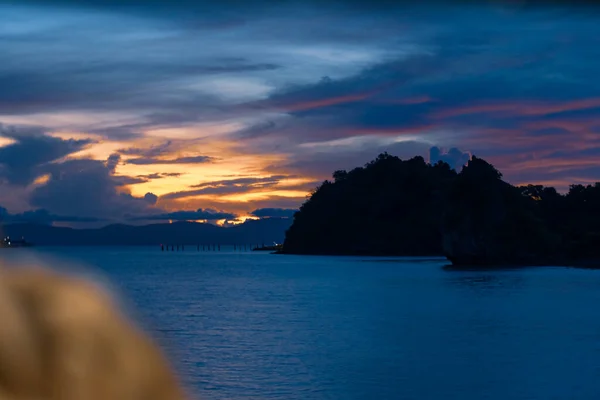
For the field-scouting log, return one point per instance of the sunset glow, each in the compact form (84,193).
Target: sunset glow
(248,109)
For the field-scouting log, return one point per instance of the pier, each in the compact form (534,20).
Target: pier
(215,247)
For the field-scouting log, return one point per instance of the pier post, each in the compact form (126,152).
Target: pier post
(162,247)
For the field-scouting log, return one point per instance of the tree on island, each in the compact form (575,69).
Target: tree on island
(575,216)
(396,207)
(488,221)
(387,207)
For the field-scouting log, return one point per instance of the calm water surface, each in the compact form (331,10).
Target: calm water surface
(261,326)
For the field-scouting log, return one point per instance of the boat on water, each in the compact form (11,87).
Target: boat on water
(7,242)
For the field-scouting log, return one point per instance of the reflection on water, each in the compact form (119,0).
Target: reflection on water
(257,326)
(485,281)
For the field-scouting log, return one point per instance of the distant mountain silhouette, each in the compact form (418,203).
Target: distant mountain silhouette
(251,232)
(396,207)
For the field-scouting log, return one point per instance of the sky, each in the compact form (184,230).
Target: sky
(139,111)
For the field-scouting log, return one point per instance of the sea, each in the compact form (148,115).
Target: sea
(253,325)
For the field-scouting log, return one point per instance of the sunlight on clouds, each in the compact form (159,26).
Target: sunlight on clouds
(243,218)
(193,174)
(233,88)
(239,220)
(6,141)
(359,142)
(74,135)
(263,195)
(99,151)
(168,184)
(71,121)
(293,181)
(41,180)
(333,54)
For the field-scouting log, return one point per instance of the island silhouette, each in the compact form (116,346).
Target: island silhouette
(251,233)
(394,207)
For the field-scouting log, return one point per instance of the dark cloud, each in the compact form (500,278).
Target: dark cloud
(200,214)
(501,91)
(239,185)
(274,212)
(123,180)
(150,198)
(160,175)
(456,68)
(150,69)
(85,187)
(242,182)
(21,162)
(155,155)
(112,162)
(548,131)
(180,160)
(40,216)
(114,85)
(78,190)
(152,151)
(85,72)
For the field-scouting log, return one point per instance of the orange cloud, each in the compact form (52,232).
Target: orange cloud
(412,100)
(307,105)
(556,164)
(524,108)
(571,125)
(291,105)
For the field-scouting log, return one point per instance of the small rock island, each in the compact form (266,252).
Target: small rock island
(394,207)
